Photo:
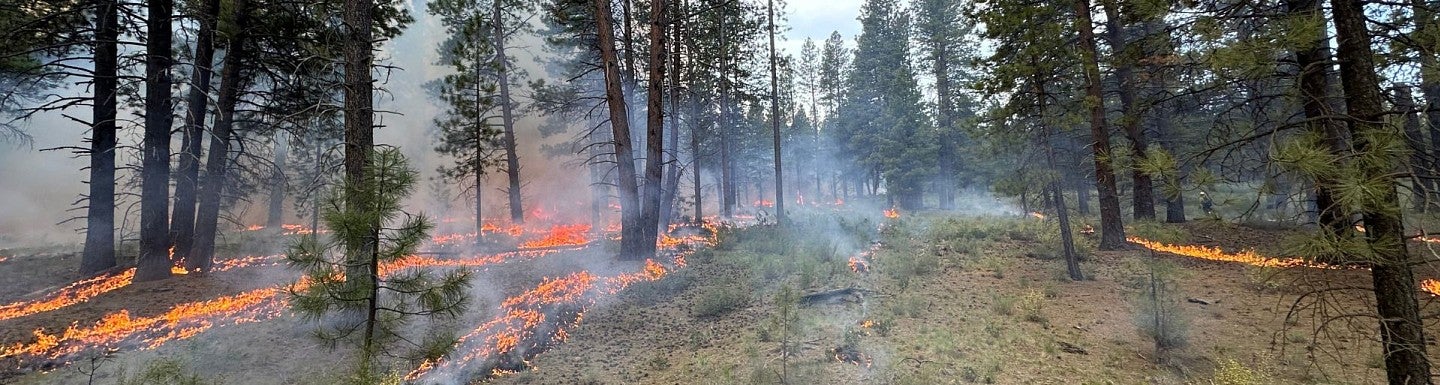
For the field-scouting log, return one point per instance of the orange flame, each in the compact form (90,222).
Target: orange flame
(764,203)
(561,235)
(1430,286)
(1244,256)
(892,213)
(1037,215)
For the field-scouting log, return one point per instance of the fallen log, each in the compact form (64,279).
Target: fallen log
(830,296)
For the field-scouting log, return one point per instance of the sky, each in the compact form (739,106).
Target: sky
(43,185)
(815,19)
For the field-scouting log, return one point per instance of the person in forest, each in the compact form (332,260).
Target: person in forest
(1207,204)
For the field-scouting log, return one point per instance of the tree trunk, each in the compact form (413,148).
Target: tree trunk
(1419,174)
(1429,86)
(154,262)
(654,132)
(1143,190)
(1112,231)
(275,217)
(672,170)
(207,220)
(1401,329)
(775,120)
(1314,86)
(100,211)
(359,114)
(630,225)
(512,159)
(727,165)
(182,221)
(946,159)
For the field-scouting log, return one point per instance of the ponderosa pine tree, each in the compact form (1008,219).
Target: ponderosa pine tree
(1402,333)
(154,261)
(1112,230)
(466,133)
(182,219)
(367,300)
(99,251)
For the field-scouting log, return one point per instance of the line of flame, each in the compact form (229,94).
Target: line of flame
(83,290)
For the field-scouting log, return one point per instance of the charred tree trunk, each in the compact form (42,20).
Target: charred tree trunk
(654,132)
(1112,230)
(1401,329)
(727,165)
(154,262)
(276,215)
(207,220)
(512,159)
(182,219)
(631,230)
(1314,85)
(775,120)
(100,210)
(1143,190)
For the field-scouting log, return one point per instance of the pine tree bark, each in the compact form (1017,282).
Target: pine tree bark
(512,158)
(99,253)
(1112,230)
(359,114)
(946,105)
(182,219)
(1143,190)
(654,132)
(154,262)
(630,224)
(1401,329)
(207,218)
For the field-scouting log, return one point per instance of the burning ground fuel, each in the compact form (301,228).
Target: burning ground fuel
(527,322)
(1250,257)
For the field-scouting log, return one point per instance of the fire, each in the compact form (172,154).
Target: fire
(1087,229)
(1215,254)
(254,227)
(839,202)
(799,198)
(764,203)
(858,265)
(561,235)
(1430,286)
(71,294)
(181,321)
(1037,215)
(84,290)
(892,213)
(524,318)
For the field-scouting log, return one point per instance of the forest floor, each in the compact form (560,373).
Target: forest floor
(838,297)
(974,300)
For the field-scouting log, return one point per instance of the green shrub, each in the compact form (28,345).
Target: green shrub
(715,301)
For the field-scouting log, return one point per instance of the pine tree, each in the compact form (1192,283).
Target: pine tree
(367,300)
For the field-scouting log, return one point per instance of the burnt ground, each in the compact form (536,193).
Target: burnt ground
(991,310)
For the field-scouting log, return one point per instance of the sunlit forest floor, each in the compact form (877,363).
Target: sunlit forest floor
(839,296)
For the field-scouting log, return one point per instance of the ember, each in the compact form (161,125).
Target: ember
(1430,286)
(1037,215)
(764,203)
(849,354)
(892,213)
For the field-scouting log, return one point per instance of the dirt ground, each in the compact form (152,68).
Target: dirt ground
(997,311)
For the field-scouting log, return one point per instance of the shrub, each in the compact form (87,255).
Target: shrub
(720,300)
(165,372)
(1158,313)
(1031,304)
